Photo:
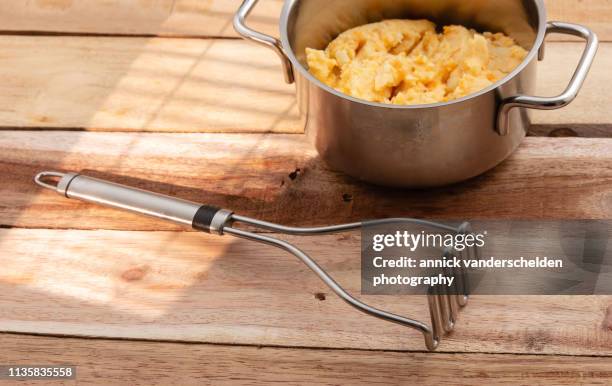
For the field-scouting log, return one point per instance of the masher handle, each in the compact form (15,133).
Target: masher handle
(93,190)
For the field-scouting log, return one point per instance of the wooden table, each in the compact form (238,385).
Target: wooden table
(161,95)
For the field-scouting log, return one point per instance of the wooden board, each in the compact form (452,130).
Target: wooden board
(207,18)
(185,286)
(589,110)
(139,84)
(279,178)
(175,85)
(141,363)
(72,69)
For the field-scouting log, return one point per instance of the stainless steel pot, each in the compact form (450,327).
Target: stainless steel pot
(425,145)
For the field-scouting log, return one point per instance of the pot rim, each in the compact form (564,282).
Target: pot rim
(284,21)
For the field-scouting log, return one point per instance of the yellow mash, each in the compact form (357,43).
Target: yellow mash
(406,62)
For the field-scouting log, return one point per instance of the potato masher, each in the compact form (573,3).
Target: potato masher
(443,307)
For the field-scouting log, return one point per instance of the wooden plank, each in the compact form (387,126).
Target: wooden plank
(184,286)
(279,178)
(596,14)
(139,84)
(136,17)
(571,131)
(141,363)
(589,110)
(207,18)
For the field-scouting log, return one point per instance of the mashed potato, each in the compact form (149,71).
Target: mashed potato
(406,62)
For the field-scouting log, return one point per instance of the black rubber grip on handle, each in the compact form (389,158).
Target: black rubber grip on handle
(204,217)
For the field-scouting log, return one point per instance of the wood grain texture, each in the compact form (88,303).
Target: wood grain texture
(207,18)
(185,286)
(210,17)
(139,84)
(571,131)
(595,14)
(178,85)
(141,363)
(279,178)
(589,109)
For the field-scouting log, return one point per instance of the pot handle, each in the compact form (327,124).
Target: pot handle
(564,99)
(261,39)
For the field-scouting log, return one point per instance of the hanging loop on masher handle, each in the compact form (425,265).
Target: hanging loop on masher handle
(443,307)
